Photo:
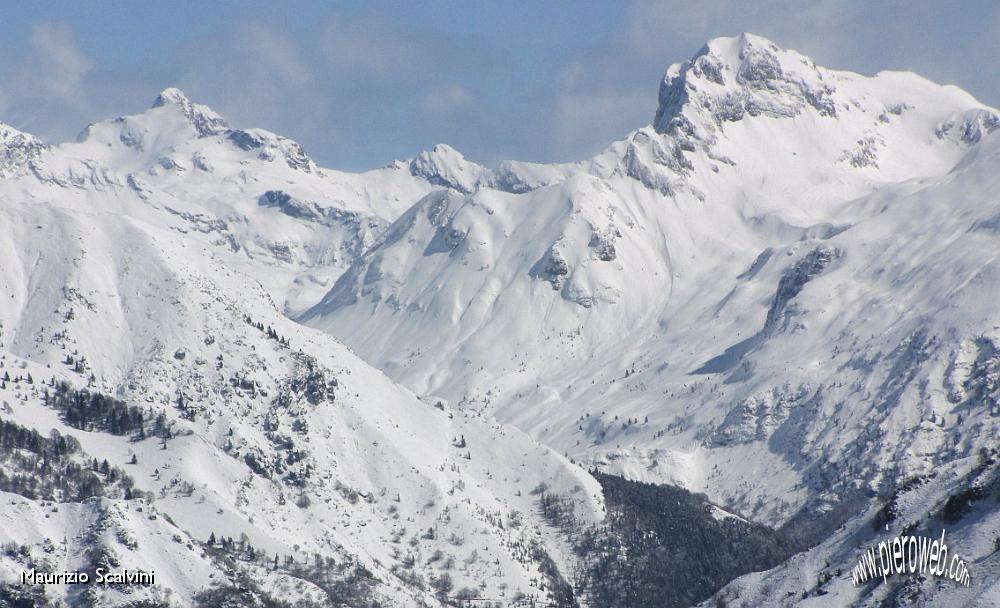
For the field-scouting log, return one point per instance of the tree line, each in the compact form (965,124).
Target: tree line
(55,468)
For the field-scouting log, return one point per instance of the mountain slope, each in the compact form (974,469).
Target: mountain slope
(540,304)
(253,429)
(930,407)
(777,294)
(255,197)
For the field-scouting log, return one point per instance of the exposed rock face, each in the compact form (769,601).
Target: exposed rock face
(794,279)
(17,150)
(205,121)
(745,76)
(445,166)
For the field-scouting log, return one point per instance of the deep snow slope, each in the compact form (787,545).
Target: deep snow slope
(780,293)
(115,279)
(916,400)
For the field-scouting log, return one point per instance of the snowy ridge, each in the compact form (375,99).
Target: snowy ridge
(445,166)
(203,118)
(183,157)
(16,149)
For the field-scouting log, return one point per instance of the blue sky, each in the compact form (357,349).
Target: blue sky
(362,83)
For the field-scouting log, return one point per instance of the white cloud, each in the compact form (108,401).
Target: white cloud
(46,83)
(447,99)
(272,54)
(55,65)
(257,76)
(370,44)
(585,123)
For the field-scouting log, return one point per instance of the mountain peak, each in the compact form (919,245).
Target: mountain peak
(16,149)
(445,166)
(171,95)
(444,151)
(740,46)
(204,119)
(731,77)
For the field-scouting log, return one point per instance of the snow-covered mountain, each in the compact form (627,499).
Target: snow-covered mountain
(255,197)
(780,294)
(149,264)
